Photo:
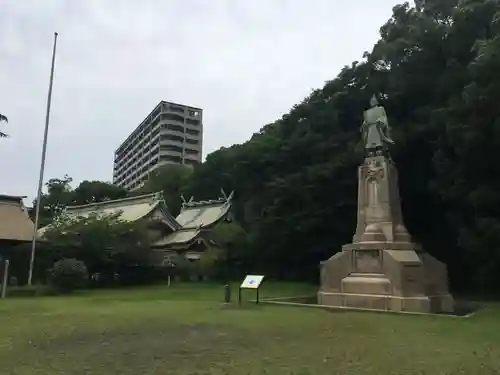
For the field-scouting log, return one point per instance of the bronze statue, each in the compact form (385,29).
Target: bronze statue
(375,129)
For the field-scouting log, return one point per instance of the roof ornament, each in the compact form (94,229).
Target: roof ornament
(156,197)
(223,193)
(230,196)
(183,199)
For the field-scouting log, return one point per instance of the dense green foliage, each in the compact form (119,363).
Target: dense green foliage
(229,256)
(68,275)
(170,180)
(107,244)
(436,71)
(60,194)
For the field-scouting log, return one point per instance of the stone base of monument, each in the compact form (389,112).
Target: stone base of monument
(388,276)
(382,269)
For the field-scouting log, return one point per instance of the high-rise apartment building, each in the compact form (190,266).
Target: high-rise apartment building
(171,134)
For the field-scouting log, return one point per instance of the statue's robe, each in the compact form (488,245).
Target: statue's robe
(375,123)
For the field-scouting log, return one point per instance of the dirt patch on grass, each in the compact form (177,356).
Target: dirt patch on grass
(178,337)
(133,350)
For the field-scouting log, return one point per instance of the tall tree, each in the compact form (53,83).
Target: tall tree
(96,191)
(52,203)
(60,194)
(171,179)
(436,70)
(105,243)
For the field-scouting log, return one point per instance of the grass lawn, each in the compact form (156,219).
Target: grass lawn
(185,329)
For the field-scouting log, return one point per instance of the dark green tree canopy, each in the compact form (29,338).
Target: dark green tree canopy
(436,71)
(60,194)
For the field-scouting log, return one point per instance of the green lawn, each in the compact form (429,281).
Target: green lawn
(186,330)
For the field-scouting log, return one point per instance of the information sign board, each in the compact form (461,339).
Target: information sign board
(252,282)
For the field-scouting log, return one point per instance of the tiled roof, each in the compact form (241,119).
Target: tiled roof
(130,209)
(195,216)
(203,215)
(15,223)
(178,237)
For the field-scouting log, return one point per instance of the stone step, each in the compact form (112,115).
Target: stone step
(366,285)
(366,274)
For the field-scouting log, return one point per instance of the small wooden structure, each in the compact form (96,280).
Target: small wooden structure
(16,227)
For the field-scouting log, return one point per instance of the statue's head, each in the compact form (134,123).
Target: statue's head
(373,101)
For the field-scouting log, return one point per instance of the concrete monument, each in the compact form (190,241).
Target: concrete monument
(382,268)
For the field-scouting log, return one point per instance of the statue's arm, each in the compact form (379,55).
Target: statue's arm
(364,124)
(383,116)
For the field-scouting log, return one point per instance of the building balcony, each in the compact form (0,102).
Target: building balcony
(170,152)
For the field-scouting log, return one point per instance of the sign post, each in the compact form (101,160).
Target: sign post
(5,279)
(251,282)
(227,293)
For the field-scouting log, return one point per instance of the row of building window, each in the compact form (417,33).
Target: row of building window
(173,127)
(153,119)
(179,118)
(187,151)
(142,159)
(124,162)
(129,178)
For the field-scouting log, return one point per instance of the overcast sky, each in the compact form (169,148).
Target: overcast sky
(245,62)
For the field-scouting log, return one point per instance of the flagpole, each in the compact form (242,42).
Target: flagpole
(183,147)
(42,163)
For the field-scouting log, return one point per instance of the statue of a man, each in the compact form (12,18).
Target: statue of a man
(375,129)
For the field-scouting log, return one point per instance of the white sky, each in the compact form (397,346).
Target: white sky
(245,62)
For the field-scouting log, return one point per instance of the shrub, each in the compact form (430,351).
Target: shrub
(182,268)
(68,274)
(211,262)
(29,291)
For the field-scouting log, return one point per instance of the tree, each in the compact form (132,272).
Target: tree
(435,68)
(52,203)
(67,275)
(2,119)
(60,194)
(96,191)
(210,261)
(105,243)
(228,256)
(171,179)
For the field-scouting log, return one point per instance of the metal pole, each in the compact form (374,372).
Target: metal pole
(183,146)
(42,163)
(227,293)
(5,278)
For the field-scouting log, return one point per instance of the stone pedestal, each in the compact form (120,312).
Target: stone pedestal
(382,268)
